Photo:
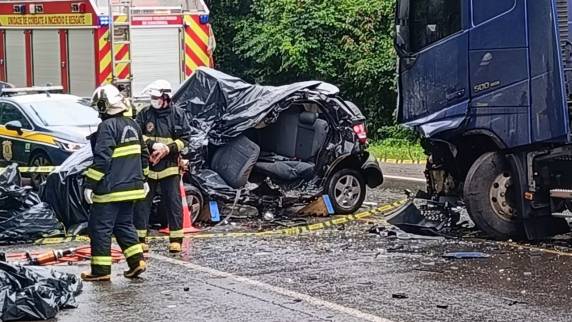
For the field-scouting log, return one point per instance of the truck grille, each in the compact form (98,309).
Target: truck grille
(562,12)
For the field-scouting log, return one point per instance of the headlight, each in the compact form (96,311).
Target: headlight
(68,146)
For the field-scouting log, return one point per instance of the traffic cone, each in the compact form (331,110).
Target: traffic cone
(187,225)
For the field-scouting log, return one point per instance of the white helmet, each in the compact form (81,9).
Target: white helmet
(108,100)
(159,88)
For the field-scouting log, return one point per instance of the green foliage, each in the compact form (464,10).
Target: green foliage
(397,149)
(345,42)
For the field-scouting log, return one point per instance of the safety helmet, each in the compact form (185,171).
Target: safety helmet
(159,88)
(108,100)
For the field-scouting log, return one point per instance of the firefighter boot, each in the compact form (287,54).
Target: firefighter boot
(135,270)
(89,277)
(175,247)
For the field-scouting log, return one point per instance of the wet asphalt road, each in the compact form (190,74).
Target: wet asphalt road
(340,274)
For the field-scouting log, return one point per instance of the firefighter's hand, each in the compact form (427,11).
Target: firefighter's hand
(183,164)
(88,195)
(160,150)
(146,188)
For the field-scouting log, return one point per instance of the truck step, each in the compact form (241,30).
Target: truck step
(562,214)
(561,193)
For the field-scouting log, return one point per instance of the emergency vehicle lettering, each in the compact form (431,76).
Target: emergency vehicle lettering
(46,20)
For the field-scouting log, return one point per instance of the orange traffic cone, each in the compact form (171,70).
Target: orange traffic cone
(187,225)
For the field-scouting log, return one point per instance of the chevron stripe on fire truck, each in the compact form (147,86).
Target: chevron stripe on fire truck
(103,56)
(196,44)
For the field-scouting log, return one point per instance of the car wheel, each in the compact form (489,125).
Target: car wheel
(346,189)
(39,159)
(490,199)
(195,202)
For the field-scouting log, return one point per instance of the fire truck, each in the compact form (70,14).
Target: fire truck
(81,44)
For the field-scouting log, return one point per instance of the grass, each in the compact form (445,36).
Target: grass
(397,149)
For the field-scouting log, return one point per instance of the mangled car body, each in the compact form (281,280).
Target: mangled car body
(274,147)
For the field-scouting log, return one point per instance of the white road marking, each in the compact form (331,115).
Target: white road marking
(405,178)
(279,290)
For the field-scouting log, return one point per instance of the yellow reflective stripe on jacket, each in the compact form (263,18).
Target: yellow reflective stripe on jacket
(120,196)
(146,171)
(126,150)
(141,233)
(177,233)
(162,140)
(180,144)
(101,260)
(133,250)
(156,175)
(94,174)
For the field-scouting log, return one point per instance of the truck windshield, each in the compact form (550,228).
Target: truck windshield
(423,22)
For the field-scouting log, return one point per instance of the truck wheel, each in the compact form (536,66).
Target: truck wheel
(490,198)
(346,189)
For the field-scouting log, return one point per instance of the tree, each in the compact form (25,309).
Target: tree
(345,42)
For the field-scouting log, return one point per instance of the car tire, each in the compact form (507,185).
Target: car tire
(490,199)
(39,159)
(195,202)
(346,189)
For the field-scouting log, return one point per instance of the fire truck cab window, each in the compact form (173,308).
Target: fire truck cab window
(9,112)
(424,22)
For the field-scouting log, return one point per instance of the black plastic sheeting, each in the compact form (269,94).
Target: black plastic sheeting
(222,107)
(63,191)
(35,293)
(23,217)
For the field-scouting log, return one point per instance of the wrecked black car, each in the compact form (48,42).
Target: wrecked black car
(273,148)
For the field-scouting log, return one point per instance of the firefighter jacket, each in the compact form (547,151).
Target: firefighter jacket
(169,126)
(120,158)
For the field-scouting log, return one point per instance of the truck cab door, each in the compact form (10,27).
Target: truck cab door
(433,49)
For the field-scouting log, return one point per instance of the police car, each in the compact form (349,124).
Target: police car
(39,126)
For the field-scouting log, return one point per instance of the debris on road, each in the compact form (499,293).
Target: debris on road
(442,306)
(23,216)
(466,255)
(394,232)
(35,294)
(399,296)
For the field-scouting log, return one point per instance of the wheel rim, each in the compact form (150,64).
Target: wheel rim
(347,191)
(39,161)
(499,197)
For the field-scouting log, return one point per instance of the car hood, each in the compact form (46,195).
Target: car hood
(77,134)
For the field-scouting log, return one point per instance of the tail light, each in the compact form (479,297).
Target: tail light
(360,131)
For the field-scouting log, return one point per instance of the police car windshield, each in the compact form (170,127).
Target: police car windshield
(64,113)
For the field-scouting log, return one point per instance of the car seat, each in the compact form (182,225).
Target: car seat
(235,160)
(291,144)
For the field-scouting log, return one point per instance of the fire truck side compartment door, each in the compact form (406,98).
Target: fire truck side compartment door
(155,54)
(46,57)
(81,62)
(16,57)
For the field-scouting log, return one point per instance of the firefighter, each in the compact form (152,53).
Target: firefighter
(166,132)
(113,182)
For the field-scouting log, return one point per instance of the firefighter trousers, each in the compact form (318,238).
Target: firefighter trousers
(170,200)
(105,220)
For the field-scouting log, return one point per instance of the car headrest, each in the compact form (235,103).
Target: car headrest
(308,118)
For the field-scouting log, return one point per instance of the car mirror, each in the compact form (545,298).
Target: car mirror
(15,126)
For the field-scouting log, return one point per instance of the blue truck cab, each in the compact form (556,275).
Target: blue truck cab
(488,85)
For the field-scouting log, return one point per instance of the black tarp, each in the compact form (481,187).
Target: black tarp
(23,217)
(63,190)
(35,293)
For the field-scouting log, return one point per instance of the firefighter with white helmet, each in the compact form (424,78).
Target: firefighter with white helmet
(113,182)
(166,132)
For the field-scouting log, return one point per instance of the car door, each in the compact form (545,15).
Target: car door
(14,146)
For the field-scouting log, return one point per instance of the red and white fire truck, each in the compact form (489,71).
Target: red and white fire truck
(82,44)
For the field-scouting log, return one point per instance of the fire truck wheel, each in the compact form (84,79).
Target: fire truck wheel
(489,197)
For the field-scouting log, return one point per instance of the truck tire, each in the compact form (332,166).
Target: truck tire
(490,199)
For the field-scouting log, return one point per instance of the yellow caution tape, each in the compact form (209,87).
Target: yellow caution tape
(42,169)
(270,233)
